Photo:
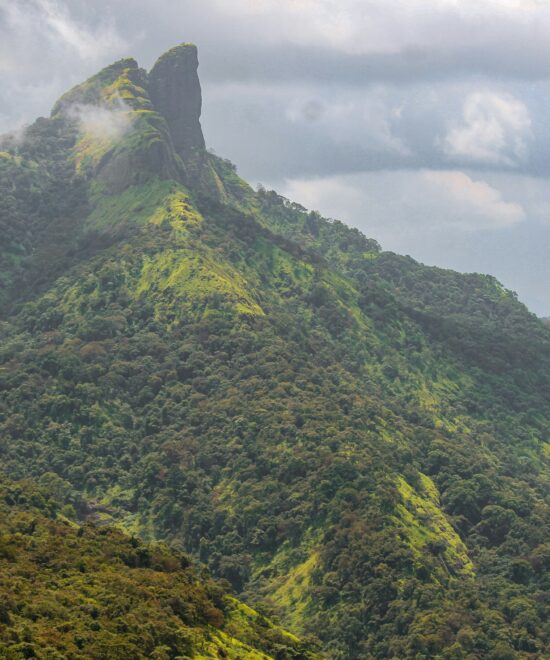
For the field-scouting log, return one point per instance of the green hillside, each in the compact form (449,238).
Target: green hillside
(358,443)
(82,591)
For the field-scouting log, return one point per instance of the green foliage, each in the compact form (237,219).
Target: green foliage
(41,203)
(357,442)
(92,91)
(130,208)
(94,592)
(428,530)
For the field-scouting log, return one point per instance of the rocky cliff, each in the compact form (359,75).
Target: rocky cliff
(176,93)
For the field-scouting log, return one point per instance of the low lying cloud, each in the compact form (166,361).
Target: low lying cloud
(102,122)
(494,129)
(14,138)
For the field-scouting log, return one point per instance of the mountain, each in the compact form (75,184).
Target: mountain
(358,443)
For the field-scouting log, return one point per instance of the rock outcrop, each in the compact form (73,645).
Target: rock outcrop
(175,91)
(152,124)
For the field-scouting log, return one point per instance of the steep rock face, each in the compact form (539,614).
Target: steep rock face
(176,93)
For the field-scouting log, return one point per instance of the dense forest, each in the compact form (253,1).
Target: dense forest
(89,591)
(354,443)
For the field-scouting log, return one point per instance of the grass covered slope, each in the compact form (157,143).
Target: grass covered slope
(357,442)
(79,591)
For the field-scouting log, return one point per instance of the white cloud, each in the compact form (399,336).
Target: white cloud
(44,50)
(386,26)
(533,193)
(40,30)
(480,206)
(101,121)
(86,43)
(406,208)
(494,129)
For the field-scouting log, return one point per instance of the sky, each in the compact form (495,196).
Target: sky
(424,123)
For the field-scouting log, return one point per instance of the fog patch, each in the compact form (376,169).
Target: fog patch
(102,121)
(14,139)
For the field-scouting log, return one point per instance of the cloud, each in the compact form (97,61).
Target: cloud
(494,128)
(388,26)
(477,205)
(87,44)
(42,31)
(365,41)
(14,138)
(100,121)
(532,192)
(44,49)
(320,130)
(409,207)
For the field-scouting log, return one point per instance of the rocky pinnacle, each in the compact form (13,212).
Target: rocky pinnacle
(176,93)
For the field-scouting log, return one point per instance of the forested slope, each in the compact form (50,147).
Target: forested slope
(357,442)
(83,591)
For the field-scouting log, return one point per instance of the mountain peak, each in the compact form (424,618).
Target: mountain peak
(175,91)
(92,91)
(159,117)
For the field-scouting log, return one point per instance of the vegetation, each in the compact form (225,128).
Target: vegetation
(357,443)
(83,591)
